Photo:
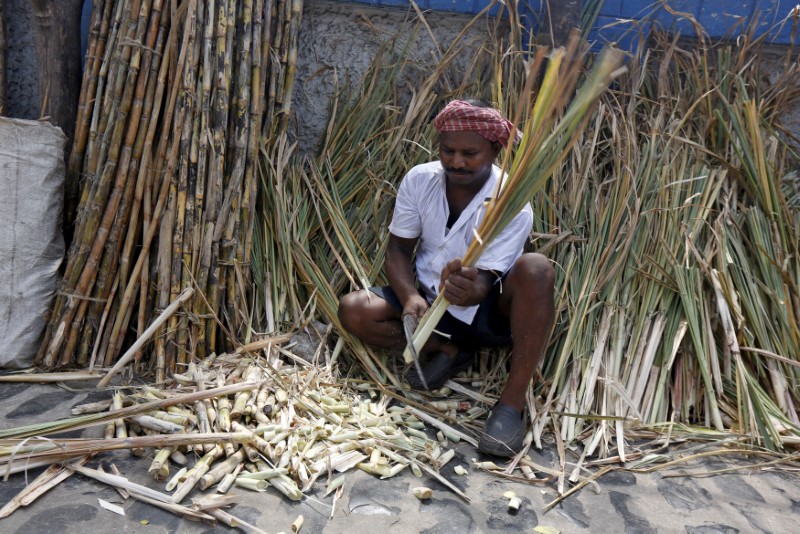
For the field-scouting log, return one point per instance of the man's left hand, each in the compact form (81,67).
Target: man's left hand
(464,286)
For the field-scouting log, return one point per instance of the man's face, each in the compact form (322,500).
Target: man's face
(467,158)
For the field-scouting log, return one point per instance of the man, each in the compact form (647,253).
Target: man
(506,298)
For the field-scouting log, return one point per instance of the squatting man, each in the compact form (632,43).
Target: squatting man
(505,299)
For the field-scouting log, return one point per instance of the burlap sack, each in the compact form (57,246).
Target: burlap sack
(31,243)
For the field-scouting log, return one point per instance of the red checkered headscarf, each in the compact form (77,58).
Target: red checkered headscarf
(461,116)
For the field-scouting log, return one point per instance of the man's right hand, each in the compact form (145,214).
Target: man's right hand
(416,305)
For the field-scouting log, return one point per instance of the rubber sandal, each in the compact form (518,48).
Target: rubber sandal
(439,369)
(503,433)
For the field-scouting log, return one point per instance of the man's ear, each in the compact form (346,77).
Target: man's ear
(496,146)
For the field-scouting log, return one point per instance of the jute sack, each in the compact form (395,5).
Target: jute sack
(31,243)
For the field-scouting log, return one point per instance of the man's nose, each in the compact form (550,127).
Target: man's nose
(458,161)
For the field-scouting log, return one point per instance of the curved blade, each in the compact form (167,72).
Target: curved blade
(410,323)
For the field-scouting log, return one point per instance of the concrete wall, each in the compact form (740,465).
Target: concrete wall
(338,40)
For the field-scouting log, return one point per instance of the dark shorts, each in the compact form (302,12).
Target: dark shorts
(488,329)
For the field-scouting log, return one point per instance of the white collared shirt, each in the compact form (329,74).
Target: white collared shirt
(421,211)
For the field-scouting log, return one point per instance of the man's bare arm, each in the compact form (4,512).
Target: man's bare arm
(400,272)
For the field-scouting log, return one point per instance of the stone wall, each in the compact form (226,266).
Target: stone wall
(22,95)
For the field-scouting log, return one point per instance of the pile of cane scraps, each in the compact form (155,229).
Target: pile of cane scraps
(242,420)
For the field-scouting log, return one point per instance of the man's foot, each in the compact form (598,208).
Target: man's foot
(504,432)
(439,369)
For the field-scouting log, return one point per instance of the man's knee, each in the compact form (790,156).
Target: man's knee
(348,312)
(533,271)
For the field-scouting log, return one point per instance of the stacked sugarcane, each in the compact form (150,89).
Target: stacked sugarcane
(175,99)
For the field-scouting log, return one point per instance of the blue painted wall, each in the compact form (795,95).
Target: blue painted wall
(623,21)
(620,21)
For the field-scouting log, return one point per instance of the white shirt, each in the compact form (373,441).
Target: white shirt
(421,211)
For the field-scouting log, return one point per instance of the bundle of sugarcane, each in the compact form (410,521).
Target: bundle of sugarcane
(175,99)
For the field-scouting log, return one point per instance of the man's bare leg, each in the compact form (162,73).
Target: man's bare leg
(528,301)
(371,319)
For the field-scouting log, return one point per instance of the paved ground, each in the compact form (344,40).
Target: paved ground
(758,501)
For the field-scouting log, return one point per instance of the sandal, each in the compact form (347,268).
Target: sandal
(439,369)
(503,433)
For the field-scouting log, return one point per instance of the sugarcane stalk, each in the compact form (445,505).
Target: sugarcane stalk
(159,467)
(184,197)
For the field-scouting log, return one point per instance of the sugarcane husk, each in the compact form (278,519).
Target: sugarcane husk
(50,478)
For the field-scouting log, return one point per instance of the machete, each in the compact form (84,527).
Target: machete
(410,323)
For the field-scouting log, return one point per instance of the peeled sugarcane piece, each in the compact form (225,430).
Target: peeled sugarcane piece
(527,472)
(223,410)
(196,473)
(251,484)
(488,466)
(239,405)
(222,469)
(258,443)
(380,470)
(178,457)
(459,470)
(445,406)
(297,524)
(266,474)
(119,423)
(92,407)
(176,478)
(416,470)
(160,465)
(394,470)
(229,479)
(446,457)
(514,502)
(210,502)
(422,493)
